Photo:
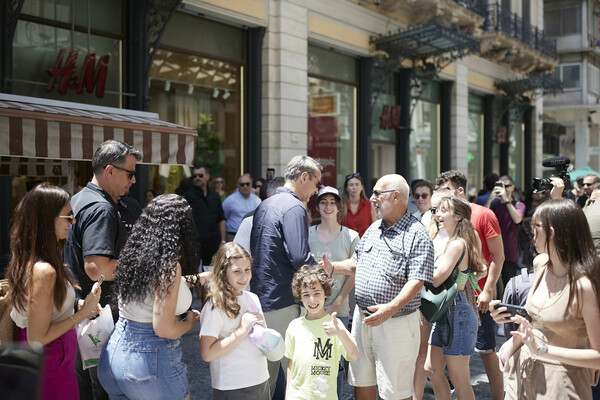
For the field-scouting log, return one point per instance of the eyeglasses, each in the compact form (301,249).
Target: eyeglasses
(244,184)
(318,184)
(199,176)
(587,184)
(378,193)
(419,196)
(217,181)
(71,217)
(355,175)
(507,185)
(130,172)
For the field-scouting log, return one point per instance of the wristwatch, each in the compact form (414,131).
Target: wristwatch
(542,349)
(506,202)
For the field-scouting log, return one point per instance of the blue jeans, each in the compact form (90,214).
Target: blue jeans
(465,328)
(137,364)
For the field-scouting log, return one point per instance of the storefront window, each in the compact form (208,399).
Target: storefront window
(196,80)
(424,135)
(44,29)
(475,138)
(383,135)
(332,95)
(516,156)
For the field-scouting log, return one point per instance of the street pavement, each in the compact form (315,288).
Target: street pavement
(199,373)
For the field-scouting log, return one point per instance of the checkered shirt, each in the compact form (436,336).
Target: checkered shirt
(387,258)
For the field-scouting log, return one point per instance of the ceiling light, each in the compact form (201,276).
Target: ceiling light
(190,89)
(167,86)
(226,95)
(216,93)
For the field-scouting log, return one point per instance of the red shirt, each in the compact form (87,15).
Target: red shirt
(361,220)
(486,224)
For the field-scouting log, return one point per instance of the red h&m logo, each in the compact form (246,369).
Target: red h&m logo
(390,117)
(92,75)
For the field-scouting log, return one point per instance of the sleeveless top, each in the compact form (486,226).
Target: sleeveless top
(65,311)
(551,325)
(142,312)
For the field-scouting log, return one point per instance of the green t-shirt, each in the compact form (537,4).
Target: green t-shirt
(315,359)
(339,249)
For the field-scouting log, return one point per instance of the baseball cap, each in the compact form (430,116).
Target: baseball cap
(328,190)
(269,341)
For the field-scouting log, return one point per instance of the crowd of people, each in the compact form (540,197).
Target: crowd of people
(338,299)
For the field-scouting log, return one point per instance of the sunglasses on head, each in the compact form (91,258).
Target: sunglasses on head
(198,175)
(419,196)
(355,175)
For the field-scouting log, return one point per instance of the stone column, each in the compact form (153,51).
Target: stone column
(460,119)
(285,84)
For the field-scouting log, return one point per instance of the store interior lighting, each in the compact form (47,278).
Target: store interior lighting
(190,89)
(167,86)
(216,93)
(226,95)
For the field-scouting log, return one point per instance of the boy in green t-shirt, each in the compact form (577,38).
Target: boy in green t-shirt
(314,343)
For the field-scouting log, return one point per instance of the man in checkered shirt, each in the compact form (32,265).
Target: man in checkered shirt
(392,260)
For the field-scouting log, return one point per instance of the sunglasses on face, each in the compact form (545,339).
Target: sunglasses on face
(378,193)
(198,175)
(419,196)
(71,217)
(355,175)
(244,184)
(587,184)
(130,172)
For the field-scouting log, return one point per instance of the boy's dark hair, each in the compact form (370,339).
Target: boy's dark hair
(457,178)
(307,276)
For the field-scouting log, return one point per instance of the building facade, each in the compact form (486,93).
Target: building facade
(388,86)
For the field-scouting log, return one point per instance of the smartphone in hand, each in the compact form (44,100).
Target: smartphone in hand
(514,310)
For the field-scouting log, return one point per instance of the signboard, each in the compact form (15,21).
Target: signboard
(325,105)
(92,75)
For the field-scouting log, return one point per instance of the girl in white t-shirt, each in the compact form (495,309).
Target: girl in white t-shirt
(238,368)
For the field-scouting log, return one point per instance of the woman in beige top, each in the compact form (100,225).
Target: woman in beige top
(562,343)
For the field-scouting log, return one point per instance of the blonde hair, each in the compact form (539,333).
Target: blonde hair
(220,292)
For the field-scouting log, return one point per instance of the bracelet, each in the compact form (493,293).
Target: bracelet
(72,320)
(542,349)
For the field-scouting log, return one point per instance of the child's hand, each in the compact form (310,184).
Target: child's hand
(334,327)
(249,319)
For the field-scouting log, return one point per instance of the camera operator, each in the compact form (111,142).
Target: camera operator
(510,214)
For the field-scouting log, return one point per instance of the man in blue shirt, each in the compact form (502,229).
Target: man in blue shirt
(238,204)
(279,245)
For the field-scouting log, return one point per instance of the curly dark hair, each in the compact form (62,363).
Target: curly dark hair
(33,239)
(220,292)
(307,276)
(457,178)
(163,236)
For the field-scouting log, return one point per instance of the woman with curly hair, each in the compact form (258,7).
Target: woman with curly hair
(360,213)
(238,368)
(463,259)
(142,359)
(41,290)
(556,354)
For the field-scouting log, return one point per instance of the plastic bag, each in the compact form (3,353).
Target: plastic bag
(92,334)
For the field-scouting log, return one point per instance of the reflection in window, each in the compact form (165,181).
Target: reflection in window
(475,138)
(183,86)
(424,141)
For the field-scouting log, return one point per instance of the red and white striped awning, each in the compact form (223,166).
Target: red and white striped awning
(41,128)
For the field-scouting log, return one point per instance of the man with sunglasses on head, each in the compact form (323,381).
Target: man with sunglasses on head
(238,204)
(422,192)
(98,234)
(207,212)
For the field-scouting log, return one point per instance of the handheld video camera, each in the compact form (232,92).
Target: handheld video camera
(561,167)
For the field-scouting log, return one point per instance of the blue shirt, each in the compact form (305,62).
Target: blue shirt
(388,258)
(279,244)
(235,207)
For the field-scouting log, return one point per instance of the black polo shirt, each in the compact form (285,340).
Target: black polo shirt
(98,231)
(207,211)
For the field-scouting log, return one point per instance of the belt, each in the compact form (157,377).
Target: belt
(367,313)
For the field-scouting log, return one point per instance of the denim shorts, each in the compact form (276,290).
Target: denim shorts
(137,364)
(465,328)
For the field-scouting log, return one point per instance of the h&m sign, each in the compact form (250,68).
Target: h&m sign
(92,75)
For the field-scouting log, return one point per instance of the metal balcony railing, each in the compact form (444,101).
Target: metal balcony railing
(477,6)
(513,25)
